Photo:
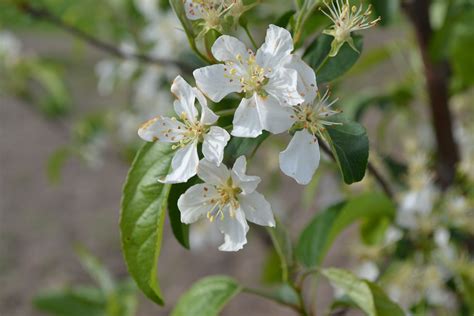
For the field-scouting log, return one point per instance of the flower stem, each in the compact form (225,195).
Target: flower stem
(325,60)
(247,31)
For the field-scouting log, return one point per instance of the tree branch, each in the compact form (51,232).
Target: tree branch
(45,15)
(437,74)
(370,167)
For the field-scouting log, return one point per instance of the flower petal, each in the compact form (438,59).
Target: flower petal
(214,143)
(163,129)
(229,48)
(257,209)
(301,158)
(247,119)
(278,45)
(283,86)
(185,98)
(184,164)
(307,86)
(196,202)
(215,83)
(274,117)
(210,173)
(194,11)
(234,229)
(248,184)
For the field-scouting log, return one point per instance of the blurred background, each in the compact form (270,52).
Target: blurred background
(74,88)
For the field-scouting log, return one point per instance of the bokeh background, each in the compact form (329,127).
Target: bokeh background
(69,112)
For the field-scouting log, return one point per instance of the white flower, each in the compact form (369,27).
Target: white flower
(301,158)
(229,198)
(346,20)
(269,80)
(187,132)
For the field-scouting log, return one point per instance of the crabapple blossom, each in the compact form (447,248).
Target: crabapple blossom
(229,198)
(186,132)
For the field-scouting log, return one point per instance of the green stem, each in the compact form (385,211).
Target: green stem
(227,112)
(247,31)
(325,60)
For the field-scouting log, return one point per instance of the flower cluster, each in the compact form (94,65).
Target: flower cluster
(279,93)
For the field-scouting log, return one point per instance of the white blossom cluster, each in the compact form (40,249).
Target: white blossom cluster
(278,93)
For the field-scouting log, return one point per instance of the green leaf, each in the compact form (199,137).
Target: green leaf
(271,270)
(207,297)
(350,146)
(285,18)
(180,230)
(239,146)
(330,68)
(387,10)
(317,238)
(143,214)
(96,270)
(284,248)
(366,295)
(79,301)
(56,162)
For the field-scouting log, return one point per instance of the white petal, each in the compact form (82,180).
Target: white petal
(185,98)
(194,11)
(274,117)
(247,119)
(301,158)
(278,45)
(184,164)
(215,83)
(195,202)
(228,48)
(163,129)
(235,230)
(257,209)
(214,143)
(283,86)
(248,184)
(306,79)
(210,173)
(208,117)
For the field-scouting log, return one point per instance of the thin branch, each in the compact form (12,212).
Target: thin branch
(45,15)
(370,167)
(437,76)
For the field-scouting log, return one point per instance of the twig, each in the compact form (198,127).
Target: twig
(437,74)
(45,15)
(370,167)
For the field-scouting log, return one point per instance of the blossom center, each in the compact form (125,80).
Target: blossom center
(249,73)
(193,131)
(227,196)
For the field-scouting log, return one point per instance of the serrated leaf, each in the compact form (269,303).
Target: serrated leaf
(366,295)
(317,238)
(143,214)
(207,297)
(330,68)
(79,301)
(350,146)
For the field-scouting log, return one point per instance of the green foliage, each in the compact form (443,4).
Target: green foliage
(283,247)
(56,162)
(239,146)
(143,214)
(387,10)
(366,295)
(318,236)
(180,230)
(207,297)
(350,146)
(330,68)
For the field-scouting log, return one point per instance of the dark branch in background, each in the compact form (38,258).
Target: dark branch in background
(370,167)
(437,78)
(45,15)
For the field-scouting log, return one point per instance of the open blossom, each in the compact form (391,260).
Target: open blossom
(186,132)
(346,19)
(269,79)
(228,198)
(301,158)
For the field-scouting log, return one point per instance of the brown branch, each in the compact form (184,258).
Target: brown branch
(437,74)
(45,15)
(370,167)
